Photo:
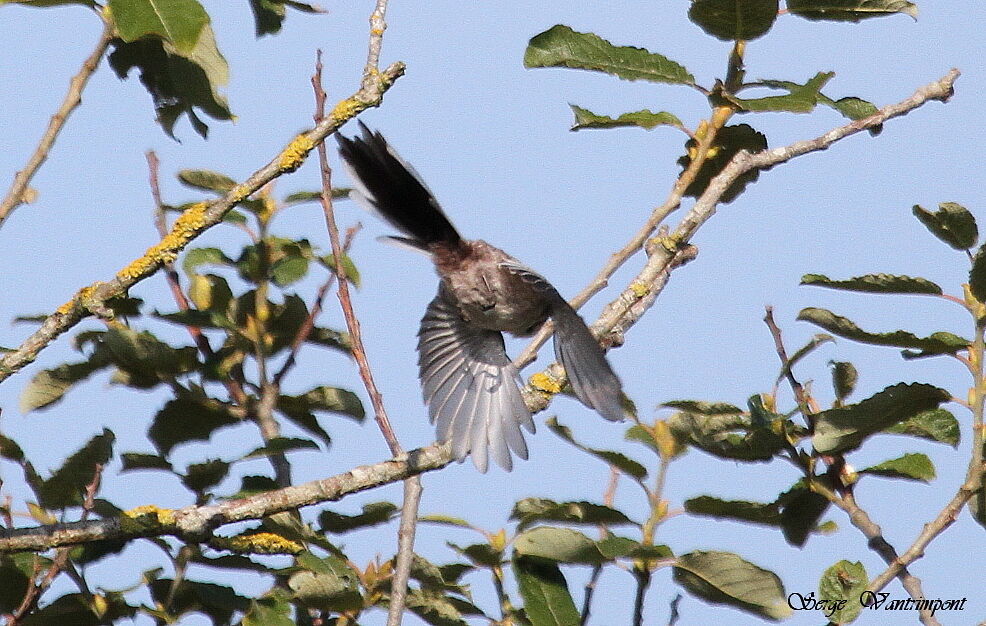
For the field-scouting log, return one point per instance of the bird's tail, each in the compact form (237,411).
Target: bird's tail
(386,185)
(589,373)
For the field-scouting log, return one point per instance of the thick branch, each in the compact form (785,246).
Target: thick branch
(196,523)
(73,97)
(193,222)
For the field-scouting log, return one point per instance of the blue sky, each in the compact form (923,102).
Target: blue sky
(492,141)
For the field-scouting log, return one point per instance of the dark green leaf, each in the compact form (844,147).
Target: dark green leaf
(738,510)
(912,466)
(67,485)
(206,180)
(202,476)
(842,585)
(280,445)
(849,10)
(563,545)
(133,461)
(844,377)
(727,436)
(481,554)
(187,419)
(179,82)
(209,292)
(95,551)
(725,578)
(16,572)
(532,510)
(560,46)
(144,360)
(854,109)
(252,485)
(799,99)
(330,399)
(299,197)
(936,343)
(219,602)
(585,118)
(801,508)
(178,22)
(374,514)
(875,283)
(703,408)
(620,461)
(329,338)
(268,15)
(952,223)
(817,340)
(547,601)
(977,275)
(729,141)
(288,270)
(731,20)
(10,450)
(934,425)
(845,428)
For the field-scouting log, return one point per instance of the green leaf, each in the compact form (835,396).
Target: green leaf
(187,419)
(201,476)
(434,608)
(585,118)
(935,425)
(737,510)
(562,545)
(67,485)
(854,109)
(703,408)
(845,428)
(280,445)
(16,572)
(800,98)
(348,268)
(288,270)
(197,257)
(952,223)
(801,508)
(732,20)
(49,386)
(729,141)
(876,283)
(179,82)
(268,15)
(374,514)
(842,585)
(218,602)
(560,46)
(209,292)
(620,461)
(133,461)
(252,485)
(331,399)
(532,510)
(326,583)
(10,450)
(272,610)
(844,378)
(480,554)
(144,360)
(299,197)
(849,10)
(547,601)
(725,578)
(206,180)
(178,22)
(445,520)
(936,343)
(911,466)
(727,436)
(977,275)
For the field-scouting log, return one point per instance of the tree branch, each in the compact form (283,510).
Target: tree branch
(16,196)
(193,222)
(196,523)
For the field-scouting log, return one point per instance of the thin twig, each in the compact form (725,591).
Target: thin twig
(412,486)
(799,391)
(73,97)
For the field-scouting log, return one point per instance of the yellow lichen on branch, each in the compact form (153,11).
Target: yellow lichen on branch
(186,226)
(146,518)
(257,543)
(544,383)
(294,154)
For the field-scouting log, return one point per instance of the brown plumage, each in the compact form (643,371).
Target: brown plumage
(470,386)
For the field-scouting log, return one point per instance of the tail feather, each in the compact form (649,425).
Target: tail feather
(589,373)
(387,185)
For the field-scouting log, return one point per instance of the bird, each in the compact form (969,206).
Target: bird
(470,386)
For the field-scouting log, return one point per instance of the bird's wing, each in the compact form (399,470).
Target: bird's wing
(470,386)
(589,373)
